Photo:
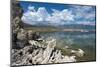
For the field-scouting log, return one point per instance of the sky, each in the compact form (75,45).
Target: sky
(57,14)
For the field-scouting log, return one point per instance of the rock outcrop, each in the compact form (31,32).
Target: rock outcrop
(20,36)
(33,54)
(16,13)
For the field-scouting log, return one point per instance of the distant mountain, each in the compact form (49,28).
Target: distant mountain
(79,26)
(70,26)
(25,25)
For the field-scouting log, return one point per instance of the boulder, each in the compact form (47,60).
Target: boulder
(79,52)
(22,35)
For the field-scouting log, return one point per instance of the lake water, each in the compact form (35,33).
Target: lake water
(76,40)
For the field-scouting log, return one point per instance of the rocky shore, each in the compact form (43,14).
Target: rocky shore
(29,48)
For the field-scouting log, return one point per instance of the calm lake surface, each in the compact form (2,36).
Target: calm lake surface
(75,40)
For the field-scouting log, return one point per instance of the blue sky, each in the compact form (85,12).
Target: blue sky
(57,14)
(48,6)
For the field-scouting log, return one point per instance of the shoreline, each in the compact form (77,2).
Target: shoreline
(59,30)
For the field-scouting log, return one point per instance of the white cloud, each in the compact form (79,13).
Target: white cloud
(31,8)
(77,14)
(85,12)
(33,17)
(61,17)
(57,17)
(42,14)
(67,15)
